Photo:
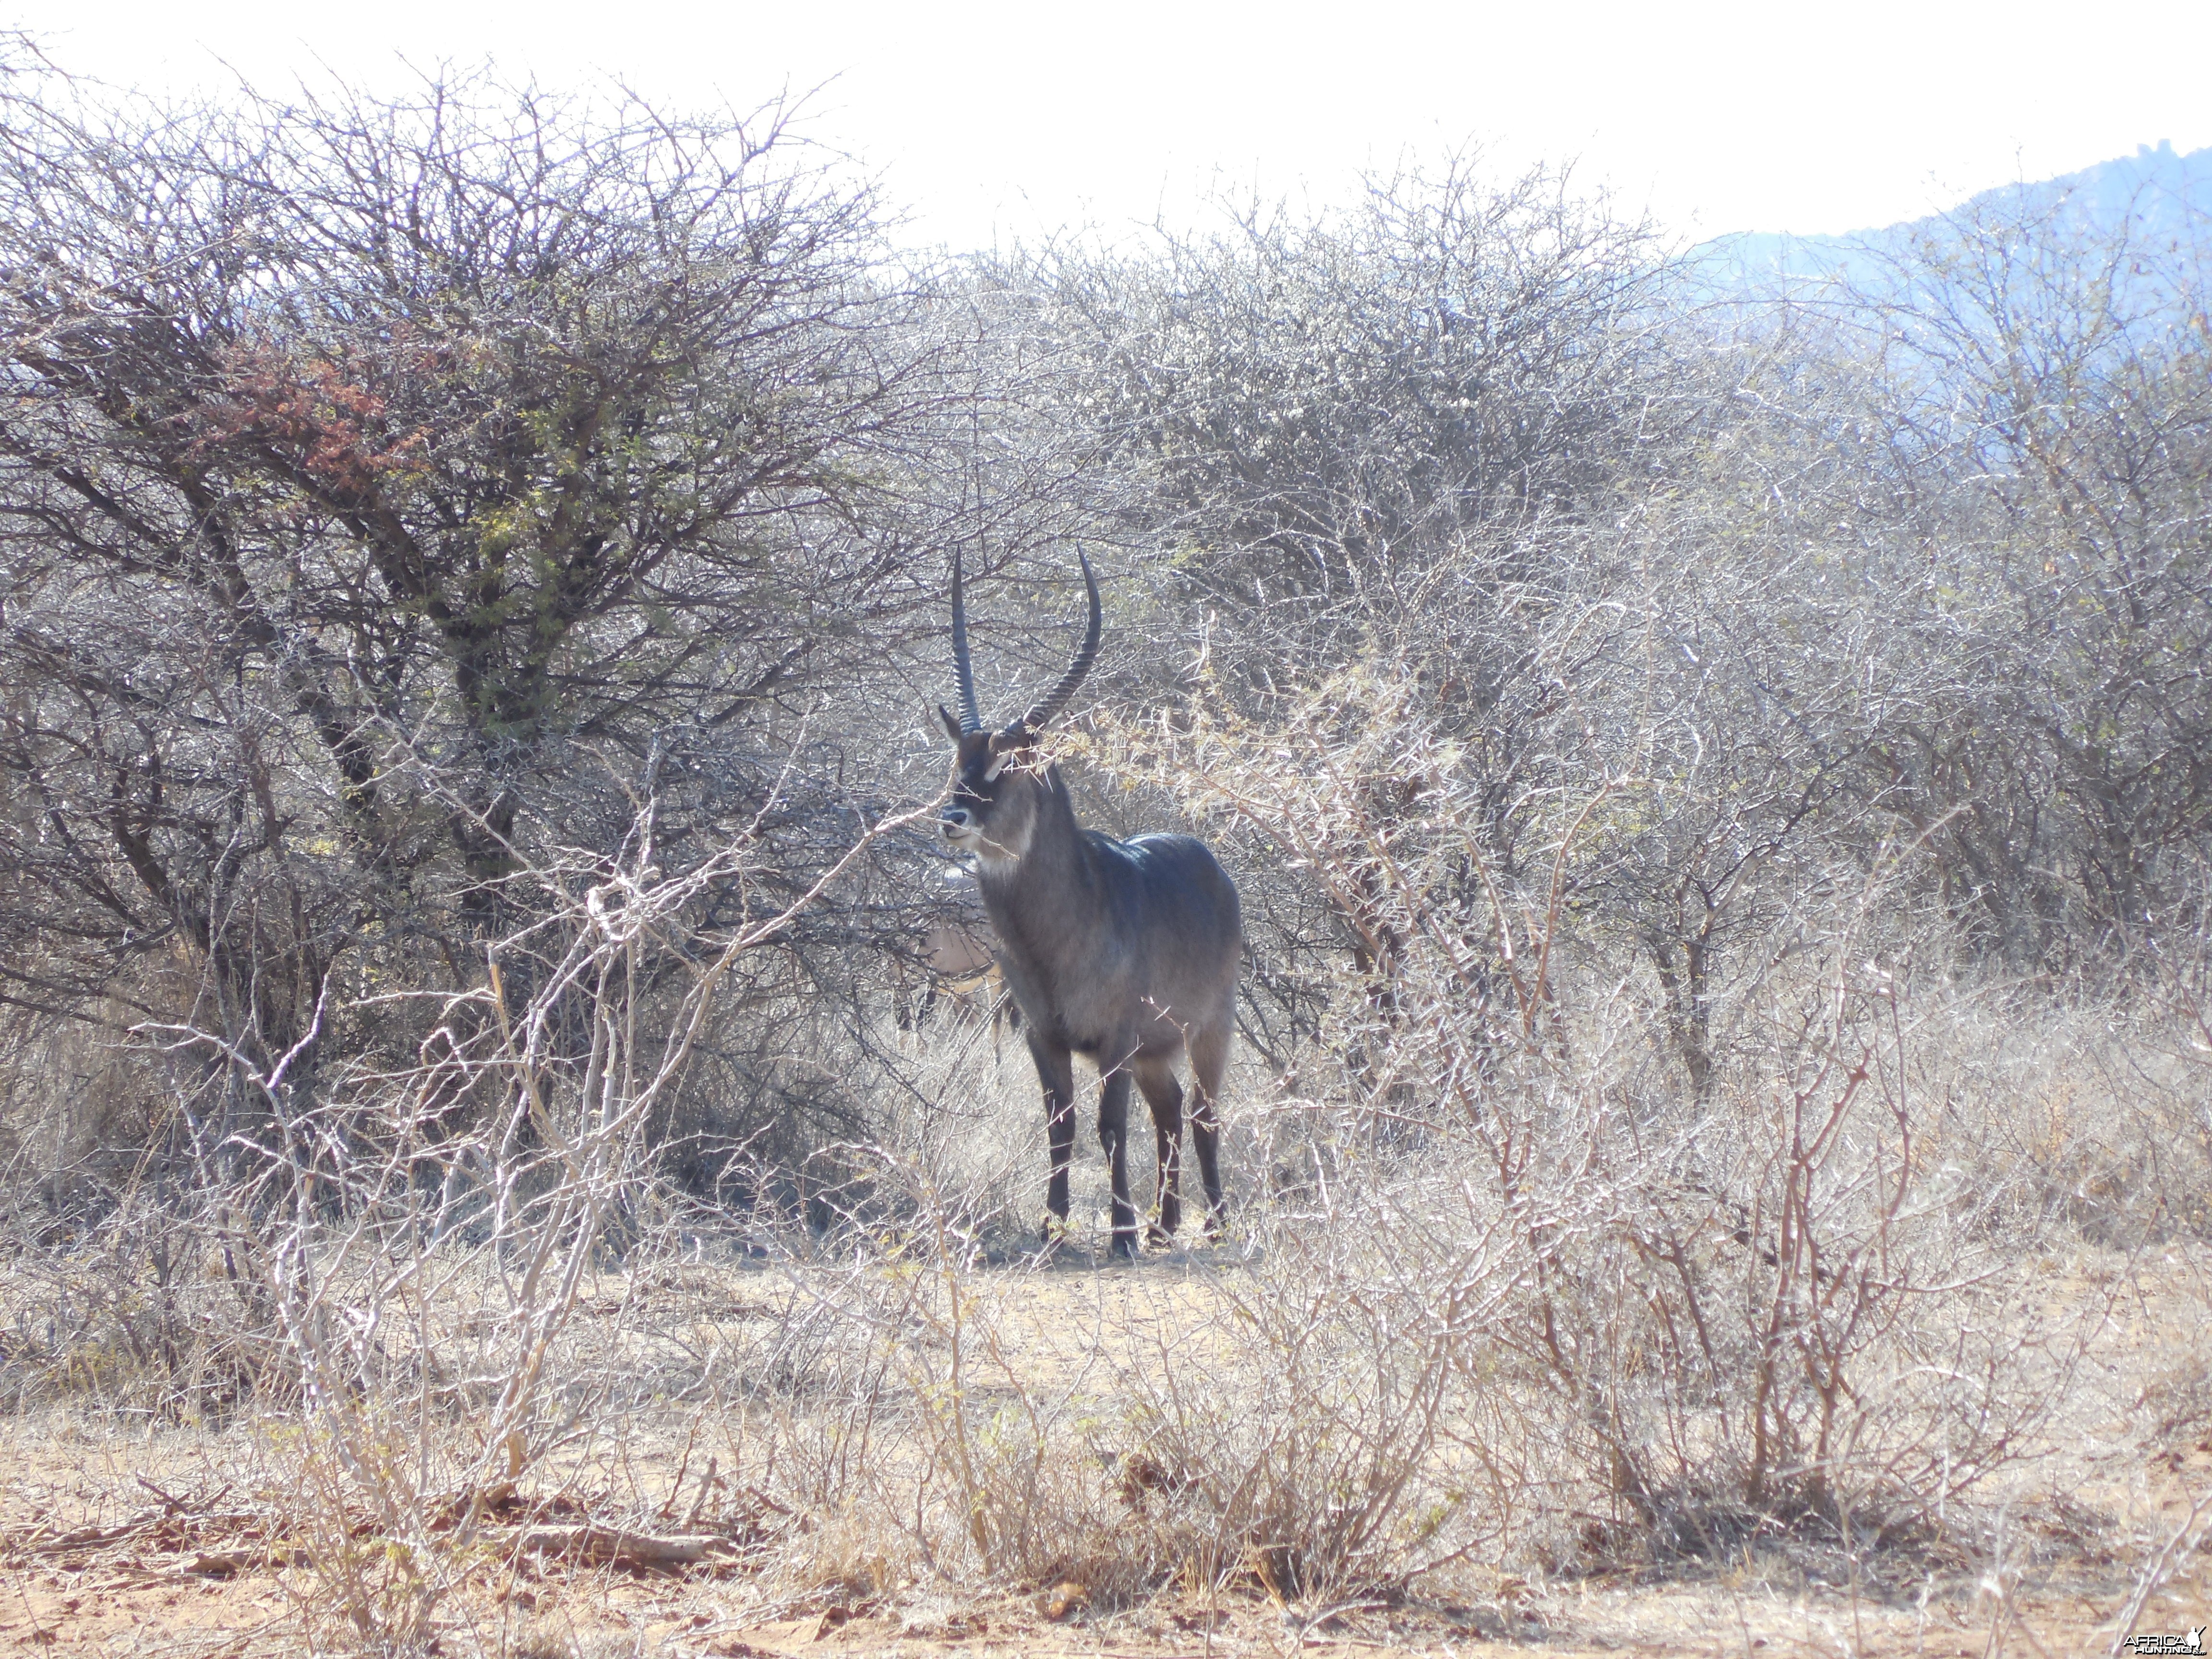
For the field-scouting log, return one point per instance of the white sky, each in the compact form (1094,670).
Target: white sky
(1000,120)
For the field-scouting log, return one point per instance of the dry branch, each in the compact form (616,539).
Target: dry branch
(610,1546)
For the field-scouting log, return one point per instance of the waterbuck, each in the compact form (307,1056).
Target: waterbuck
(1125,952)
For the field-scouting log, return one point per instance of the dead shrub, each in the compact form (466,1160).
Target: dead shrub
(1769,1303)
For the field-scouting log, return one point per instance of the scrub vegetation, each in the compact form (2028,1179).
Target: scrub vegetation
(504,1147)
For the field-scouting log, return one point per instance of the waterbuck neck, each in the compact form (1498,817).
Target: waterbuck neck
(1052,891)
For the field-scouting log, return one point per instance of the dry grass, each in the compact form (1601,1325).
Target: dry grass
(1890,1339)
(1349,1421)
(815,1532)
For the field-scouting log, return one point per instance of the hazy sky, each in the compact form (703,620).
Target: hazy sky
(1003,120)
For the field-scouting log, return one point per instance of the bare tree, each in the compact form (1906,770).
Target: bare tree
(386,487)
(2050,420)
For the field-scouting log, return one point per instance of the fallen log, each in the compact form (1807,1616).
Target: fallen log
(611,1546)
(89,1538)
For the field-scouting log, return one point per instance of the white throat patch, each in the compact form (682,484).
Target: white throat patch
(996,856)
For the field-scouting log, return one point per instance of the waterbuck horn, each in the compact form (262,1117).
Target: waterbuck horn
(1053,702)
(971,718)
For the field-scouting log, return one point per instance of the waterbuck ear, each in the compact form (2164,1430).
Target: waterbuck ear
(952,726)
(1005,745)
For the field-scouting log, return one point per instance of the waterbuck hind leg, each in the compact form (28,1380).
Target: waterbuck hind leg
(1156,1079)
(1209,1059)
(1056,1072)
(1114,1136)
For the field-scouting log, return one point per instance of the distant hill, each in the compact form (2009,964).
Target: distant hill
(2161,190)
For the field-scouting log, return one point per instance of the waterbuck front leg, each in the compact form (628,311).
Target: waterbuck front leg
(1056,1072)
(1156,1079)
(1114,1136)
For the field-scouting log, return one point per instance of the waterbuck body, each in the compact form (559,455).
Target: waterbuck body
(1124,952)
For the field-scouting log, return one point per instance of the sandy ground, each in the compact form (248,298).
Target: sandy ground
(116,1537)
(151,1600)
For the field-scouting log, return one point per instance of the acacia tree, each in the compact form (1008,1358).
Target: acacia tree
(1404,435)
(2049,404)
(1319,419)
(390,489)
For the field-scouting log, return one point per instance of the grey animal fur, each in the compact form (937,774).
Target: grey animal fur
(1125,952)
